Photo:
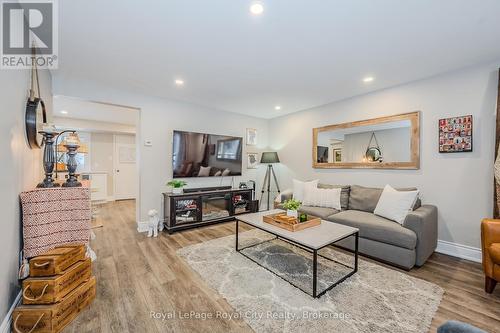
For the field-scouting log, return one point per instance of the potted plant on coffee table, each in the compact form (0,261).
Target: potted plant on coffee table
(291,206)
(177,186)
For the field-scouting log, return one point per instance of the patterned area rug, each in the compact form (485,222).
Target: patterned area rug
(376,299)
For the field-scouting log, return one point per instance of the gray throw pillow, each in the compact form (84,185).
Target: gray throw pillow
(344,193)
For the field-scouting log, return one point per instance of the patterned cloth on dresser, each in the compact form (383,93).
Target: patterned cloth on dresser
(53,217)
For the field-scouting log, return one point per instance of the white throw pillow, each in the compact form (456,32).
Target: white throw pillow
(395,205)
(226,172)
(218,173)
(204,171)
(299,188)
(322,197)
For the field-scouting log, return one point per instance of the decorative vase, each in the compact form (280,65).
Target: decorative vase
(292,213)
(49,159)
(177,190)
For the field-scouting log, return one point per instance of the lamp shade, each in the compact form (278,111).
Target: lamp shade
(72,139)
(269,157)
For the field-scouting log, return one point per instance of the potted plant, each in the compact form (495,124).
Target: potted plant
(291,206)
(177,186)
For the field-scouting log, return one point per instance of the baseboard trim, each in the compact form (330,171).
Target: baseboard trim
(459,251)
(5,327)
(142,226)
(110,198)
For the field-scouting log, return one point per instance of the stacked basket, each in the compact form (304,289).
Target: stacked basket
(60,286)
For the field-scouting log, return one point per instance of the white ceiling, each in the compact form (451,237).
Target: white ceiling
(298,54)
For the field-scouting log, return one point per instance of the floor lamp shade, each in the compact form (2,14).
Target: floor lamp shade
(269,157)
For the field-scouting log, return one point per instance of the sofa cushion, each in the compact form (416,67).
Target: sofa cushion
(366,198)
(344,194)
(214,171)
(186,168)
(376,228)
(322,212)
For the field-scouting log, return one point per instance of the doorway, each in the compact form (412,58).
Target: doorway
(125,169)
(111,160)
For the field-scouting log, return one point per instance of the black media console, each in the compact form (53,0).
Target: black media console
(198,207)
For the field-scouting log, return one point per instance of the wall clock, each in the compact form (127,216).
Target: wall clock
(36,115)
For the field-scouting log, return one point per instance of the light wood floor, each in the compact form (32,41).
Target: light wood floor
(137,275)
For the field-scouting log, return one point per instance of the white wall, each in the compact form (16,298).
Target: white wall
(20,171)
(158,119)
(459,184)
(394,144)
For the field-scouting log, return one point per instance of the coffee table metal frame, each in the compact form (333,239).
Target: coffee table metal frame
(315,254)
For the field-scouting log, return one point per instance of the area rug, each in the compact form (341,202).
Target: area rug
(376,299)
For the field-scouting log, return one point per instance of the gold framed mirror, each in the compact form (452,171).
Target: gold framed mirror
(391,142)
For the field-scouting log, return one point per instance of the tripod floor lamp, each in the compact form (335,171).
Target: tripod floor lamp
(269,158)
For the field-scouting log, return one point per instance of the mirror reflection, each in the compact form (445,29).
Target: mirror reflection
(374,143)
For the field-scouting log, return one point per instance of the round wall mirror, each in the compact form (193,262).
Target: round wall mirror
(35,118)
(373,154)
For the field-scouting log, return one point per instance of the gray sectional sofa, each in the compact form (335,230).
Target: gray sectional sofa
(404,245)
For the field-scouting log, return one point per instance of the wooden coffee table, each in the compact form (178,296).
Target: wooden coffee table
(311,239)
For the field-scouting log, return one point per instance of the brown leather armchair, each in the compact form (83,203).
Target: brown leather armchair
(490,241)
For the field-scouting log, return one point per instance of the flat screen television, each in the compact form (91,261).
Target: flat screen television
(206,155)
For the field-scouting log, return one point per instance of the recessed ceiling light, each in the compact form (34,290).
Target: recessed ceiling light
(179,82)
(64,112)
(277,107)
(368,79)
(256,8)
